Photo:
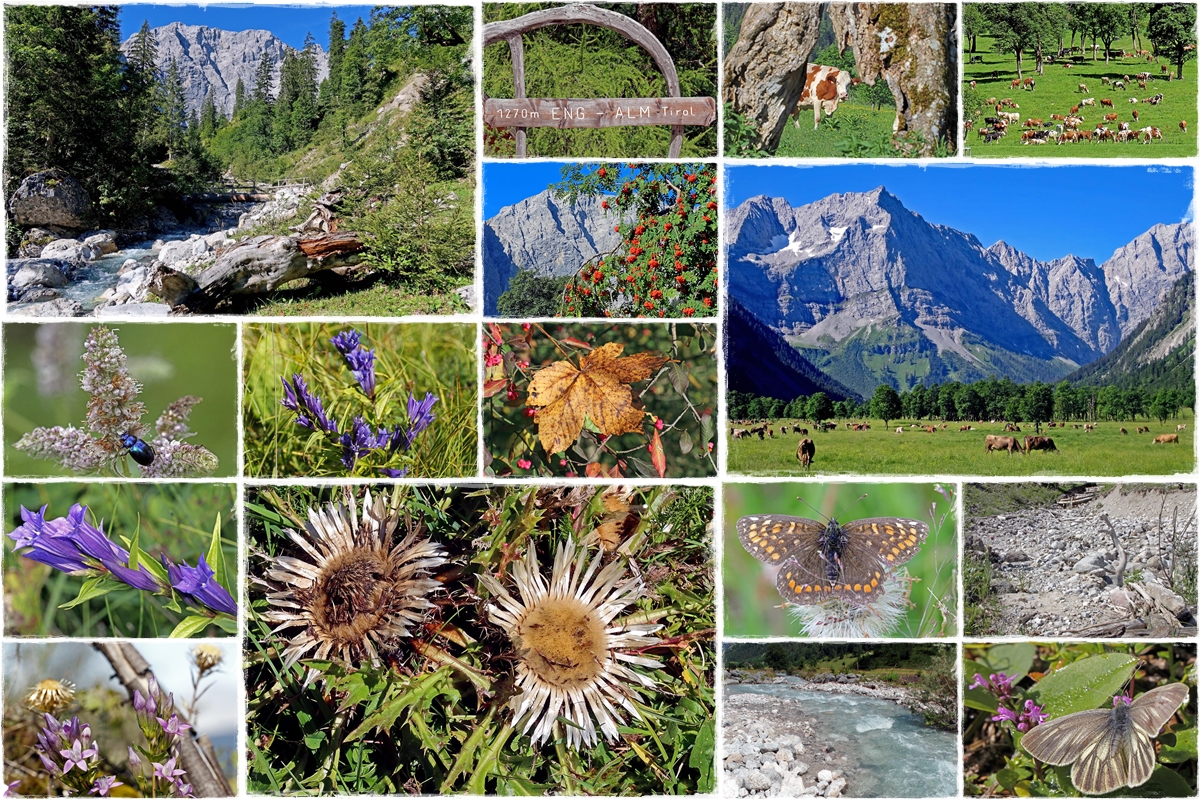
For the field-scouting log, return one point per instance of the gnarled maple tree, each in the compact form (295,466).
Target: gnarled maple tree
(598,389)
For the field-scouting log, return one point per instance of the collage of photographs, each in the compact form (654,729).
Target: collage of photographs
(496,398)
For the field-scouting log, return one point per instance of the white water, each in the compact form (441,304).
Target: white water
(88,283)
(889,750)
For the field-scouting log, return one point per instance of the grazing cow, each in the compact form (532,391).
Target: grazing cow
(824,88)
(1016,84)
(783,429)
(1135,115)
(805,452)
(1083,88)
(1039,443)
(1106,102)
(1183,125)
(900,430)
(1074,110)
(1111,117)
(801,431)
(1165,68)
(962,428)
(1013,117)
(929,429)
(1181,426)
(1167,438)
(1124,432)
(1087,101)
(1106,81)
(1142,430)
(738,433)
(1011,428)
(1030,83)
(1133,100)
(1058,117)
(972,84)
(1119,85)
(1008,102)
(771,432)
(1008,443)
(991,101)
(1123,127)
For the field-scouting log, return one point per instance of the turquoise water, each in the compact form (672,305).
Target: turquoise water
(889,750)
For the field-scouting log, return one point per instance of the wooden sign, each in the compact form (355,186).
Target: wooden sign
(599,113)
(522,112)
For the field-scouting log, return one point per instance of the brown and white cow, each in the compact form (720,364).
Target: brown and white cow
(824,88)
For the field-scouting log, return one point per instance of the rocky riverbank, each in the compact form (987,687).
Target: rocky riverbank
(773,748)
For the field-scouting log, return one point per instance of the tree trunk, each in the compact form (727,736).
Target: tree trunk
(920,65)
(766,69)
(1018,64)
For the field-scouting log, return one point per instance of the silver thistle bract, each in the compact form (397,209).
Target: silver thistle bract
(357,592)
(114,413)
(573,652)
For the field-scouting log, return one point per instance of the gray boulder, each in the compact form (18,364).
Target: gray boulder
(52,199)
(175,252)
(60,307)
(104,242)
(756,781)
(133,310)
(37,272)
(71,250)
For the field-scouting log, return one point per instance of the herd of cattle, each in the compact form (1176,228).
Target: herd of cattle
(806,450)
(1069,126)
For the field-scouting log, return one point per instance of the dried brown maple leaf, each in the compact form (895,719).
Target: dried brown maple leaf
(598,388)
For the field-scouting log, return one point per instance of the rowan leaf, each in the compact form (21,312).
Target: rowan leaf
(657,456)
(598,389)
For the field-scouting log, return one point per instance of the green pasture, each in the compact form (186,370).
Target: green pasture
(1057,91)
(881,451)
(753,606)
(853,126)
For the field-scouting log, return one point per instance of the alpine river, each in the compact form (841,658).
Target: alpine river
(889,751)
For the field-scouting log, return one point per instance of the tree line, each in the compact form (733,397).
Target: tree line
(989,399)
(830,656)
(112,121)
(1042,29)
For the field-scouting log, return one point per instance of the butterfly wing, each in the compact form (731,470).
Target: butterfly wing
(1064,740)
(1152,710)
(881,543)
(771,538)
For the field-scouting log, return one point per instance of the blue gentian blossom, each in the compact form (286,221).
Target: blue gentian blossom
(360,359)
(309,409)
(360,440)
(420,417)
(199,585)
(73,545)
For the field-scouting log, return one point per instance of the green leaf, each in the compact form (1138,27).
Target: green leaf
(135,551)
(216,559)
(678,377)
(685,443)
(313,740)
(1085,684)
(1008,778)
(703,755)
(264,513)
(1182,750)
(190,626)
(418,695)
(1163,782)
(97,586)
(227,624)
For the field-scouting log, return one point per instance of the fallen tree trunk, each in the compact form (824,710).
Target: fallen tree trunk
(265,263)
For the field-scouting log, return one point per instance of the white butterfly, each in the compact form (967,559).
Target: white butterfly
(1109,749)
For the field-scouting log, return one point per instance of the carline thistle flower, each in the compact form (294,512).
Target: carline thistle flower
(574,654)
(354,591)
(114,417)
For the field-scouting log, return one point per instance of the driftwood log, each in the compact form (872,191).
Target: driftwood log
(265,263)
(197,756)
(322,218)
(913,47)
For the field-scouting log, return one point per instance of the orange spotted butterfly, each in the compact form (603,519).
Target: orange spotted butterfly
(821,561)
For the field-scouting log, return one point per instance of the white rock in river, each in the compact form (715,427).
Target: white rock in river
(70,250)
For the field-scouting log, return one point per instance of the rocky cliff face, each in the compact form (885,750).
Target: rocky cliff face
(873,285)
(210,57)
(545,234)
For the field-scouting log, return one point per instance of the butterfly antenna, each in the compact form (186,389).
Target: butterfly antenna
(814,508)
(861,497)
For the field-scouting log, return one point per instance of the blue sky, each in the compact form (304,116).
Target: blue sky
(505,184)
(1047,212)
(289,23)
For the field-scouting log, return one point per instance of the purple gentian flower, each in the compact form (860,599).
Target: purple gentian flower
(104,785)
(347,341)
(48,542)
(135,761)
(394,473)
(174,726)
(420,417)
(167,771)
(308,407)
(183,789)
(360,440)
(76,756)
(10,789)
(199,584)
(360,359)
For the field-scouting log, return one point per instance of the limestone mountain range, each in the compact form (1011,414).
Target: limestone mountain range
(871,292)
(214,58)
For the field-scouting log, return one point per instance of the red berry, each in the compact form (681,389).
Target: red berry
(601,172)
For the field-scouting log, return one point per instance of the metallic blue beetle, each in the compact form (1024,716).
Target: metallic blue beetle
(139,451)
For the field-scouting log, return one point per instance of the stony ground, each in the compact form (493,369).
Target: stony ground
(771,749)
(1054,566)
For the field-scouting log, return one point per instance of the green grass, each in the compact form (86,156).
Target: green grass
(377,299)
(753,604)
(1057,91)
(989,499)
(851,119)
(881,451)
(413,357)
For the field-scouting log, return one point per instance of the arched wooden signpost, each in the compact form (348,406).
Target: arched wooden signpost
(522,112)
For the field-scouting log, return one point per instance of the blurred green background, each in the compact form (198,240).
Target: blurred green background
(414,357)
(752,603)
(175,519)
(170,360)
